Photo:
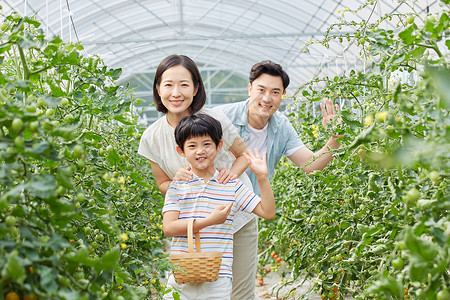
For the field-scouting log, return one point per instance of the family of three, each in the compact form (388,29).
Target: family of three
(201,163)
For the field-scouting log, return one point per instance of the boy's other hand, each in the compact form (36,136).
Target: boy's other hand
(219,214)
(225,175)
(256,163)
(183,174)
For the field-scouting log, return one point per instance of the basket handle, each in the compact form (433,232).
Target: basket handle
(190,233)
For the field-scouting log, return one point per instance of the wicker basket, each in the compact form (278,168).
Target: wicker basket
(196,267)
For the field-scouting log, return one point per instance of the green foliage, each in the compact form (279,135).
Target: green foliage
(79,211)
(375,222)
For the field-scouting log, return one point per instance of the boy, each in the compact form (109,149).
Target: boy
(213,205)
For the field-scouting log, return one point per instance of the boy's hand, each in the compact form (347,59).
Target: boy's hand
(219,214)
(256,163)
(183,174)
(225,175)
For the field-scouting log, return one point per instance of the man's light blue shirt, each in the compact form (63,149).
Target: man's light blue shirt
(281,136)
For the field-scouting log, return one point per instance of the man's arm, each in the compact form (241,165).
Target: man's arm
(321,158)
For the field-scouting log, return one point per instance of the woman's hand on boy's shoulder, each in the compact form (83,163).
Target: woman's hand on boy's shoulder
(225,175)
(183,174)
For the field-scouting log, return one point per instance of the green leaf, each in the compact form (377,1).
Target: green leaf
(441,80)
(406,35)
(13,268)
(66,133)
(139,179)
(48,279)
(123,120)
(113,158)
(389,285)
(42,186)
(422,249)
(64,177)
(109,260)
(56,91)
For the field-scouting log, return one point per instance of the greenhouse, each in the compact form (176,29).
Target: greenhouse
(354,182)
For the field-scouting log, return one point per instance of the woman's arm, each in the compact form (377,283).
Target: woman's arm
(240,164)
(162,180)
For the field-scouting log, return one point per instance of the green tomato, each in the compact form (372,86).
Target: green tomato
(99,238)
(443,294)
(41,102)
(19,141)
(81,163)
(412,195)
(64,281)
(87,230)
(80,197)
(10,221)
(410,19)
(401,245)
(47,125)
(4,26)
(16,125)
(78,151)
(64,101)
(34,125)
(431,19)
(50,112)
(15,16)
(397,263)
(31,108)
(349,190)
(434,176)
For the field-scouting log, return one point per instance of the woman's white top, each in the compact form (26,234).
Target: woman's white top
(158,145)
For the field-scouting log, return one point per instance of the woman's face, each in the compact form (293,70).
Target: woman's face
(177,90)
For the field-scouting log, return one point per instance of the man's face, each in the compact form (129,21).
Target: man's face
(265,93)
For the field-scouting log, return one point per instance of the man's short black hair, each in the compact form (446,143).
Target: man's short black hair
(270,68)
(198,125)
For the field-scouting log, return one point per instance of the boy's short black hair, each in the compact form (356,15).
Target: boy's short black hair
(198,125)
(270,68)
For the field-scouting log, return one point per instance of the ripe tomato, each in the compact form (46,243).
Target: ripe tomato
(12,296)
(30,297)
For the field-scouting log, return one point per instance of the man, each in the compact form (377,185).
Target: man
(262,127)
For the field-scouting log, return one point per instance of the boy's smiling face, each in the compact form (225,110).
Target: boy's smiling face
(200,152)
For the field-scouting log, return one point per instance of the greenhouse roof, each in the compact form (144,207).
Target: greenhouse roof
(225,38)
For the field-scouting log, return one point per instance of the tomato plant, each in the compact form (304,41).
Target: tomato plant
(375,221)
(65,203)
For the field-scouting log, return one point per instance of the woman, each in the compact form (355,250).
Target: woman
(178,91)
